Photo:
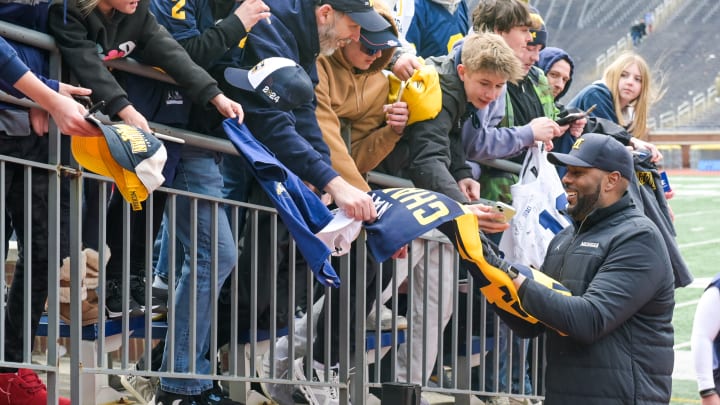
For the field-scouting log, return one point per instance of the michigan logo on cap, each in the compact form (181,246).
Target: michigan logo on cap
(133,158)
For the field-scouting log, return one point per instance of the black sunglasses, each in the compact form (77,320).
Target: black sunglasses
(369,51)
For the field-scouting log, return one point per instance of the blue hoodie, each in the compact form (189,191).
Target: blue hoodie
(14,54)
(548,57)
(12,67)
(294,136)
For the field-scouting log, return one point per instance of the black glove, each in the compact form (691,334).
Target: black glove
(490,253)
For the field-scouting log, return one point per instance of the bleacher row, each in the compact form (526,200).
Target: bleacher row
(681,50)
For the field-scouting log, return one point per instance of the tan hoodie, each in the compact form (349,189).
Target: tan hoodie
(344,93)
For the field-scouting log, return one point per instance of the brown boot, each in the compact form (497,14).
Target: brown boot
(89,310)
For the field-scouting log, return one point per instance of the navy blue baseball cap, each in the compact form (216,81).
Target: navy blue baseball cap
(379,40)
(599,151)
(280,81)
(360,11)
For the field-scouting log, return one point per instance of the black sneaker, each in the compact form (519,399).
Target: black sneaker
(114,301)
(137,289)
(215,396)
(168,398)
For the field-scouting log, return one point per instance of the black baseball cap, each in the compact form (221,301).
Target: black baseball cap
(360,11)
(599,151)
(280,81)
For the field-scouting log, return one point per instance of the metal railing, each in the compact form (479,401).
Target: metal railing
(89,365)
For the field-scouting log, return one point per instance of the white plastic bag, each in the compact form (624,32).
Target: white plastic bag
(537,198)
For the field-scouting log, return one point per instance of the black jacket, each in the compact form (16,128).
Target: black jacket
(619,336)
(647,191)
(294,136)
(136,35)
(430,152)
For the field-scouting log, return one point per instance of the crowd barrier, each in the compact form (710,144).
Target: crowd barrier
(463,371)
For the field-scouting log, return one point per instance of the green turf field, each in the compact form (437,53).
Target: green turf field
(697,221)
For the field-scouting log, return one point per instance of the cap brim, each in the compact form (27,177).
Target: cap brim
(369,20)
(93,154)
(379,40)
(563,159)
(238,78)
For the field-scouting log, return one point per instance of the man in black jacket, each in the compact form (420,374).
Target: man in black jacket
(611,341)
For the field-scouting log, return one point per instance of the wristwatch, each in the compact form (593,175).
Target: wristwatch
(707,392)
(510,270)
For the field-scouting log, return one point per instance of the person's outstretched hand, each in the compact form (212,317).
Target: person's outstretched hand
(228,108)
(356,203)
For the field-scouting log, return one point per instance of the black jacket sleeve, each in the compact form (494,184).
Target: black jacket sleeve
(623,286)
(206,48)
(80,53)
(430,151)
(162,50)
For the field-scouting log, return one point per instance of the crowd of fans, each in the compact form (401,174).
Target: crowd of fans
(466,87)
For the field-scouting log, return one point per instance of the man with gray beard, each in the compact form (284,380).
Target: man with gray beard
(299,30)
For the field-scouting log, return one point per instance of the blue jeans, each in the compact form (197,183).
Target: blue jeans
(162,251)
(237,182)
(198,172)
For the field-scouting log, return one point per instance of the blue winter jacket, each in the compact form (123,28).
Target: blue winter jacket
(13,55)
(294,137)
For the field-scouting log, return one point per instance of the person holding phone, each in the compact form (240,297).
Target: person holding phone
(501,130)
(527,115)
(624,96)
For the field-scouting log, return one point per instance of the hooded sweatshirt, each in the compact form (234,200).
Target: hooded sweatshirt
(81,39)
(548,57)
(18,58)
(357,97)
(33,16)
(293,136)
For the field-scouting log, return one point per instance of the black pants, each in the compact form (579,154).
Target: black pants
(115,219)
(31,148)
(335,312)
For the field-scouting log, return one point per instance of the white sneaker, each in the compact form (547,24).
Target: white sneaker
(386,318)
(302,394)
(142,388)
(326,395)
(315,394)
(280,393)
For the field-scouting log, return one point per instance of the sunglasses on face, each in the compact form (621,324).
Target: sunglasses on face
(367,51)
